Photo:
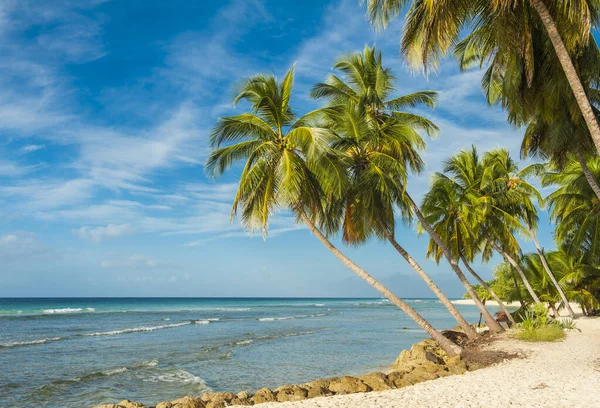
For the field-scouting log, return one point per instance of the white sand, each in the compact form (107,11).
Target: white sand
(560,374)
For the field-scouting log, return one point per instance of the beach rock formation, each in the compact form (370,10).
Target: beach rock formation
(242,398)
(290,393)
(217,399)
(263,395)
(377,381)
(348,385)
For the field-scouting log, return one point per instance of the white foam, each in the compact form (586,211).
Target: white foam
(28,343)
(243,342)
(233,309)
(201,321)
(319,304)
(176,376)
(65,310)
(115,371)
(272,319)
(138,329)
(213,319)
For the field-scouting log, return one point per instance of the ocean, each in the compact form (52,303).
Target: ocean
(80,352)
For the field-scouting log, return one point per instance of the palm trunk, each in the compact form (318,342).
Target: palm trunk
(554,311)
(492,324)
(469,331)
(512,272)
(549,272)
(515,265)
(569,69)
(449,347)
(480,315)
(487,287)
(588,174)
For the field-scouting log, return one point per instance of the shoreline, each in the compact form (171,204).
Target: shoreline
(469,302)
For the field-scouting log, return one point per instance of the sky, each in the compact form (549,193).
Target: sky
(105,112)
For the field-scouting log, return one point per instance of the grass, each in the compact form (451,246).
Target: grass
(551,332)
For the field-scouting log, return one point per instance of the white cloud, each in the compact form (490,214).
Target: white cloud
(32,148)
(98,234)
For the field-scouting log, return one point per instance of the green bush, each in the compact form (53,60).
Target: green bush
(537,326)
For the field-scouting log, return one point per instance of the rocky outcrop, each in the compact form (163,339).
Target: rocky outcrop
(377,381)
(348,385)
(290,393)
(423,362)
(263,395)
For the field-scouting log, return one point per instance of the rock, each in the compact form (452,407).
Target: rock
(419,374)
(165,404)
(457,368)
(219,403)
(218,396)
(131,404)
(318,392)
(322,383)
(188,402)
(377,381)
(108,406)
(394,377)
(238,401)
(243,395)
(263,395)
(348,385)
(290,393)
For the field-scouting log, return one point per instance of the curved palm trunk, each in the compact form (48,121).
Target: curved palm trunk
(449,347)
(512,272)
(469,331)
(549,272)
(492,324)
(569,69)
(515,265)
(588,174)
(487,287)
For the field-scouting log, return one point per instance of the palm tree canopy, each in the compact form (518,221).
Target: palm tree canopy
(283,154)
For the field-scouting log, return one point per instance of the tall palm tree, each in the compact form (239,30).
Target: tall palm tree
(447,207)
(287,167)
(502,29)
(489,223)
(366,86)
(514,194)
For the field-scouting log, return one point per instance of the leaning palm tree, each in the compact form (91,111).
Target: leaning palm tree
(501,29)
(514,195)
(287,166)
(375,160)
(492,227)
(448,208)
(366,86)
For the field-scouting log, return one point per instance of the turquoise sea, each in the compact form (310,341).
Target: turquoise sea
(86,351)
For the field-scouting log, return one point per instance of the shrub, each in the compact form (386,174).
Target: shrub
(537,326)
(551,332)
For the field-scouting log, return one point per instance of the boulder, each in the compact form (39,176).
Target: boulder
(395,377)
(188,402)
(420,374)
(219,403)
(263,395)
(290,393)
(108,406)
(243,395)
(238,401)
(348,385)
(131,404)
(165,404)
(377,381)
(456,366)
(218,396)
(322,383)
(318,392)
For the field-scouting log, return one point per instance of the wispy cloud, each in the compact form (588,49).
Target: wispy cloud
(32,148)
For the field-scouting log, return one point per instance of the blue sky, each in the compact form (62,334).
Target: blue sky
(105,108)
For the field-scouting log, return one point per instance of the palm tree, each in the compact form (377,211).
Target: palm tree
(287,167)
(502,30)
(447,208)
(575,209)
(491,227)
(366,87)
(514,195)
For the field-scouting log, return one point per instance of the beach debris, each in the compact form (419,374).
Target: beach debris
(540,386)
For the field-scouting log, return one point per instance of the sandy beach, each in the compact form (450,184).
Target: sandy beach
(469,302)
(561,374)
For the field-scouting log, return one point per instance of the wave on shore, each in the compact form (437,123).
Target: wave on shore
(29,342)
(143,329)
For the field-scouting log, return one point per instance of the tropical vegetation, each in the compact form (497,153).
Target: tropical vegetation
(343,169)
